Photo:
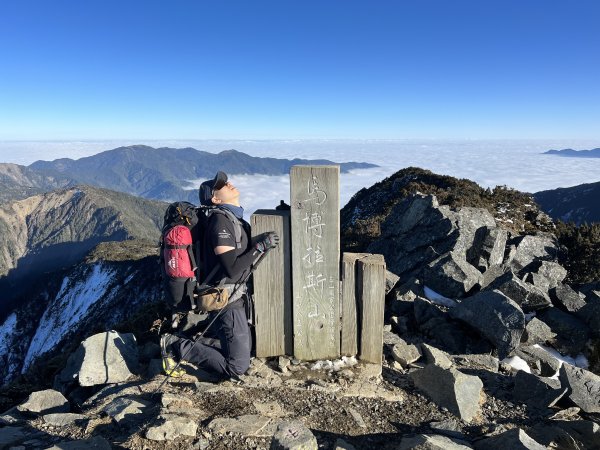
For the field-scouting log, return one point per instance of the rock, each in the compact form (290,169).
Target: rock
(549,275)
(10,436)
(564,297)
(490,275)
(436,356)
(451,276)
(461,394)
(45,402)
(172,428)
(526,295)
(488,248)
(12,417)
(590,313)
(95,443)
(270,409)
(555,437)
(62,420)
(341,444)
(583,387)
(536,392)
(531,249)
(432,442)
(171,400)
(584,431)
(293,435)
(539,360)
(571,333)
(424,311)
(405,353)
(484,361)
(248,425)
(448,427)
(514,439)
(390,281)
(495,317)
(357,418)
(123,408)
(402,297)
(537,332)
(102,359)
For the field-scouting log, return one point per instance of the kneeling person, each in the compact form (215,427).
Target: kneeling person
(233,253)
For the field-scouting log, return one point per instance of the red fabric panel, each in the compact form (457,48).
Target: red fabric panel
(177,260)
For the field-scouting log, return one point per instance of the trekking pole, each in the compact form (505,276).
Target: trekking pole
(237,286)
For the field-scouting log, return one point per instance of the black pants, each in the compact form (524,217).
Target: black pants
(233,332)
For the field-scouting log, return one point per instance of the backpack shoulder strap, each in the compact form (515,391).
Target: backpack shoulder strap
(237,225)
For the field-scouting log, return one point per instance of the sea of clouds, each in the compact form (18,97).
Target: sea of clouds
(520,164)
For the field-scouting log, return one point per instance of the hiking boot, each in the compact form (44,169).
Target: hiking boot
(168,358)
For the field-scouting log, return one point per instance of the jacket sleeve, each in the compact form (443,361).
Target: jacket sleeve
(235,266)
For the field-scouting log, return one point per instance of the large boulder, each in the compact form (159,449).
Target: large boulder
(45,402)
(460,393)
(495,316)
(539,360)
(548,275)
(590,313)
(566,298)
(537,332)
(293,435)
(418,230)
(583,387)
(530,249)
(536,392)
(451,275)
(103,358)
(571,333)
(488,248)
(526,295)
(515,439)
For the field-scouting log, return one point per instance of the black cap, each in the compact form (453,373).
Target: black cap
(207,188)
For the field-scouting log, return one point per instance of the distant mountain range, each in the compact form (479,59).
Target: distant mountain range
(569,152)
(576,204)
(164,173)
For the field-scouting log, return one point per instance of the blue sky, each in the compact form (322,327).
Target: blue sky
(299,69)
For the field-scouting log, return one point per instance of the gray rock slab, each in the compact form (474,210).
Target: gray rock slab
(390,281)
(461,394)
(536,392)
(475,361)
(526,295)
(171,428)
(451,275)
(552,436)
(45,402)
(586,432)
(95,443)
(571,333)
(103,358)
(432,442)
(448,427)
(247,425)
(488,248)
(293,435)
(566,298)
(436,356)
(552,272)
(541,247)
(583,387)
(405,353)
(10,436)
(124,408)
(62,420)
(515,439)
(537,332)
(539,360)
(496,317)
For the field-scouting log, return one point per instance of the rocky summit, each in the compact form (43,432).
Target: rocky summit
(486,345)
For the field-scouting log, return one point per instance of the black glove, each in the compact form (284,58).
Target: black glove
(268,240)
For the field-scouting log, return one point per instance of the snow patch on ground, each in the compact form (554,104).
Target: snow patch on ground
(70,305)
(439,299)
(517,363)
(6,332)
(579,361)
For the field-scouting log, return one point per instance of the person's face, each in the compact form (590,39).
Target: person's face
(227,194)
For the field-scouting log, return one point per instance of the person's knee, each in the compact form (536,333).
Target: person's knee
(237,368)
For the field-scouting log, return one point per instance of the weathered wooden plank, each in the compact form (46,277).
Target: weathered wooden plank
(315,223)
(273,287)
(371,300)
(349,310)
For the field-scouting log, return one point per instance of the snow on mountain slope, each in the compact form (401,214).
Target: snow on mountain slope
(6,331)
(73,301)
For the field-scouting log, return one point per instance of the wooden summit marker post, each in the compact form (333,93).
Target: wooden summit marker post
(315,222)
